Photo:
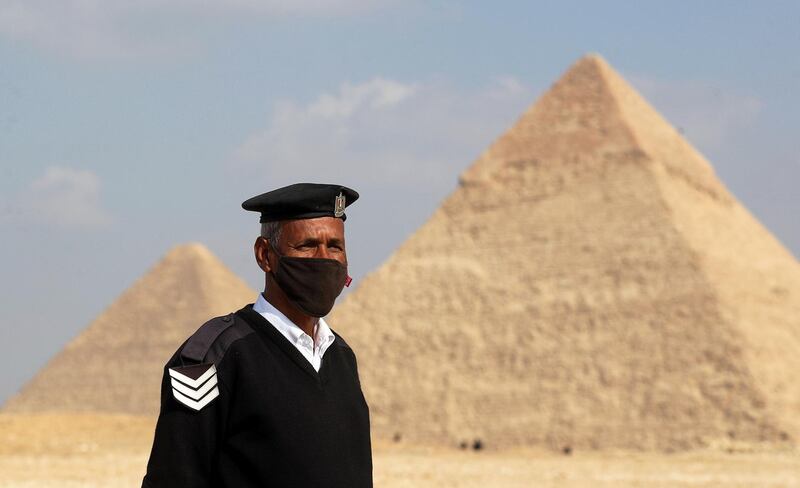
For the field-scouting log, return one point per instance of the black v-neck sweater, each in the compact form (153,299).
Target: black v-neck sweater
(276,421)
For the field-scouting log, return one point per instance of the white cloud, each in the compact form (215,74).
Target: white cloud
(67,198)
(376,94)
(383,131)
(708,115)
(102,29)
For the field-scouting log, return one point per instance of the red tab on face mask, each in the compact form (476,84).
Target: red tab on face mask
(348,281)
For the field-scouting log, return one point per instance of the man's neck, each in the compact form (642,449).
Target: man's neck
(278,300)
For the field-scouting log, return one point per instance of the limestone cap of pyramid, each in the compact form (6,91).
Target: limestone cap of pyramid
(589,118)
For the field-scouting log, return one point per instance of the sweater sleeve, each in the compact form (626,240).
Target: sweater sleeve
(188,431)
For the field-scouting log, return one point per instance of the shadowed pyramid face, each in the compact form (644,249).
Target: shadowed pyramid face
(590,283)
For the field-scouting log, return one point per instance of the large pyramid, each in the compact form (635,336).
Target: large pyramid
(591,284)
(116,363)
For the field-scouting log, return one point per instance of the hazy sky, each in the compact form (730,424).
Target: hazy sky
(127,127)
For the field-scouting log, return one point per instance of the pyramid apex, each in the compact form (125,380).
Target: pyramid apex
(591,62)
(596,58)
(591,109)
(194,250)
(190,247)
(190,257)
(580,111)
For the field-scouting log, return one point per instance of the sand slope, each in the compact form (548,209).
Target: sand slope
(110,451)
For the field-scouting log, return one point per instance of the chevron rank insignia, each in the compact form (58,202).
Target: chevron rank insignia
(194,386)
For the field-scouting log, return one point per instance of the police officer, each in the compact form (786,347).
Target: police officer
(269,396)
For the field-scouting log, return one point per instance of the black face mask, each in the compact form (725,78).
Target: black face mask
(311,284)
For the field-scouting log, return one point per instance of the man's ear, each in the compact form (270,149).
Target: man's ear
(261,250)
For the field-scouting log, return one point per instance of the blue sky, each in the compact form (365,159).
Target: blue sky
(127,127)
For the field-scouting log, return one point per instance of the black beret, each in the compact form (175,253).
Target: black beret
(302,201)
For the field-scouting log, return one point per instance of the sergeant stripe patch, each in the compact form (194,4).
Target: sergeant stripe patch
(194,386)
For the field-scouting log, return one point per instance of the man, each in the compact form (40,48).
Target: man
(269,396)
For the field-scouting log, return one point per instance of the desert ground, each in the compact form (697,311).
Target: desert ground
(66,451)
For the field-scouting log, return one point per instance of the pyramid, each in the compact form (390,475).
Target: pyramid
(116,363)
(590,284)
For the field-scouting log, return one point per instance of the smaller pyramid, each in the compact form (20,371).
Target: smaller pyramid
(116,363)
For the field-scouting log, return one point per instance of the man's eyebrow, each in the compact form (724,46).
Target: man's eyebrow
(315,241)
(306,241)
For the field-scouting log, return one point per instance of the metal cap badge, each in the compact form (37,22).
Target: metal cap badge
(339,204)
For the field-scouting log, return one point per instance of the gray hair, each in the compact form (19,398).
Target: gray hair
(271,231)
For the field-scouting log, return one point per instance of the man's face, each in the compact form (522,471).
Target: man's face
(322,237)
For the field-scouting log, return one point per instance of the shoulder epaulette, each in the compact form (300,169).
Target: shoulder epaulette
(213,338)
(195,384)
(200,343)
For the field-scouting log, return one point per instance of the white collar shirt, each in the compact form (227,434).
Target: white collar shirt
(311,349)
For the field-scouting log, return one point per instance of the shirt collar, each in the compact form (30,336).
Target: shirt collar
(323,335)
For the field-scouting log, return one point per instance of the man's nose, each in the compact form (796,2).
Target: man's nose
(322,252)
